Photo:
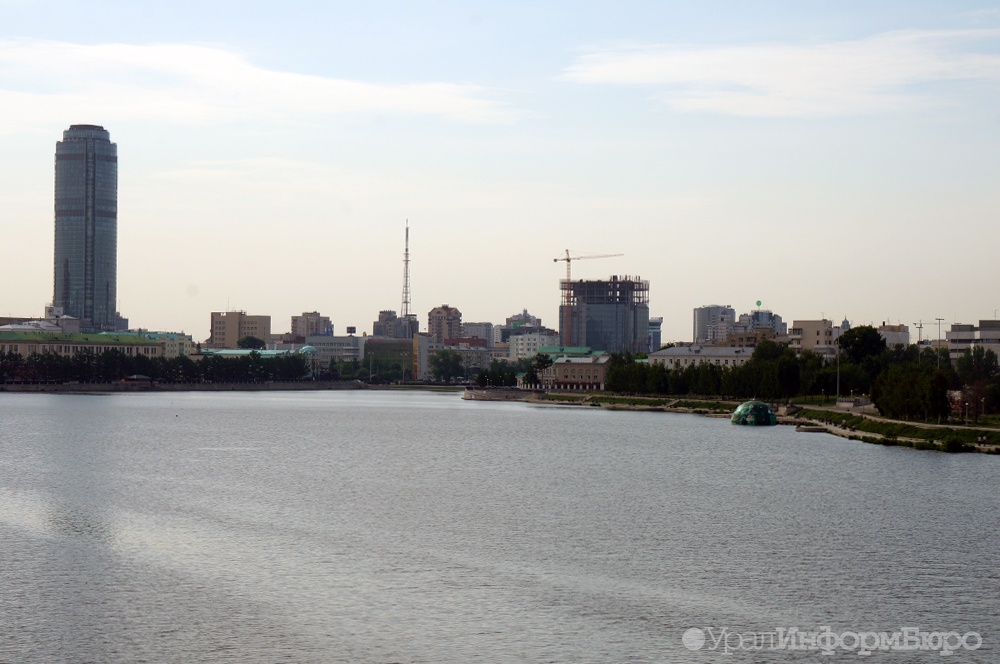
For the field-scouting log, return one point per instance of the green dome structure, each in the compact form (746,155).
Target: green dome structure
(754,413)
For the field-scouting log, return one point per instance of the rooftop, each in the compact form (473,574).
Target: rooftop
(90,339)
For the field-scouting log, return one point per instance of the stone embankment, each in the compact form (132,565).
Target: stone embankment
(152,386)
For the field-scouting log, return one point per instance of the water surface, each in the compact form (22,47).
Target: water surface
(415,527)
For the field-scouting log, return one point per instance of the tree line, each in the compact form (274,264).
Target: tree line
(114,365)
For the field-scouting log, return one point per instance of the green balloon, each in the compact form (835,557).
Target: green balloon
(758,303)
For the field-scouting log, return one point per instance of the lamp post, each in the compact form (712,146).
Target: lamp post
(966,413)
(838,371)
(939,343)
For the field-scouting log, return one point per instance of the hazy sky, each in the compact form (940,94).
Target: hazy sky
(825,158)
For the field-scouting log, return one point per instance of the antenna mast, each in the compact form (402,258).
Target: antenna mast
(405,313)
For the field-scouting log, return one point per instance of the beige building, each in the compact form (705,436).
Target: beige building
(818,336)
(228,327)
(444,322)
(576,373)
(311,323)
(172,344)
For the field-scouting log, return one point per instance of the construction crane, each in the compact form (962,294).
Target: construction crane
(569,259)
(566,322)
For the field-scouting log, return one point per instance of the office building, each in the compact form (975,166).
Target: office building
(228,327)
(655,333)
(713,322)
(962,337)
(311,323)
(391,326)
(86,226)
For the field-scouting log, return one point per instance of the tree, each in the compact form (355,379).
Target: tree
(978,364)
(533,376)
(251,342)
(446,365)
(861,342)
(499,374)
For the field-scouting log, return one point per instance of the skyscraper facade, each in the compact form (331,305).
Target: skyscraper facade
(86,226)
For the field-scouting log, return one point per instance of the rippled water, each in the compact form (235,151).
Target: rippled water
(415,527)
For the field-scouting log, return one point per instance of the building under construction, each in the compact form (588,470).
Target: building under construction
(610,315)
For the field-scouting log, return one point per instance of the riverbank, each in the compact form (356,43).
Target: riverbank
(845,424)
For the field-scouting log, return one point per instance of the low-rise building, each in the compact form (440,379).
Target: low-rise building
(579,373)
(340,349)
(27,343)
(172,344)
(680,357)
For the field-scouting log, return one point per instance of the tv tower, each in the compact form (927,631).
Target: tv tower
(412,325)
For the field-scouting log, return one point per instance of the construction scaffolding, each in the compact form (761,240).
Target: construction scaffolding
(610,315)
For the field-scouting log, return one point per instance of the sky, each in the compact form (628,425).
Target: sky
(828,159)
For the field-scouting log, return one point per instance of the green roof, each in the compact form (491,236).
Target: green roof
(569,350)
(81,339)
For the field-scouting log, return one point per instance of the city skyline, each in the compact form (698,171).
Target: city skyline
(828,161)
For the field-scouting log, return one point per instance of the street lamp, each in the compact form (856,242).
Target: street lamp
(966,413)
(939,343)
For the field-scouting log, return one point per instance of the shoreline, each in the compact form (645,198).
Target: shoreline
(711,409)
(146,387)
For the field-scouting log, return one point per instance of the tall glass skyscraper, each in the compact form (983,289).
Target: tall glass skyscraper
(86,214)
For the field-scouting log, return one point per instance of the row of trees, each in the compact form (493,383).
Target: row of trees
(114,365)
(904,382)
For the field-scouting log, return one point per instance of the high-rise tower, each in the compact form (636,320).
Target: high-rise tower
(86,226)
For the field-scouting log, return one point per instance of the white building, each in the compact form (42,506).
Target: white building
(713,322)
(523,346)
(679,357)
(328,347)
(962,337)
(895,335)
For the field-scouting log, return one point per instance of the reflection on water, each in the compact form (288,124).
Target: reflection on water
(375,527)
